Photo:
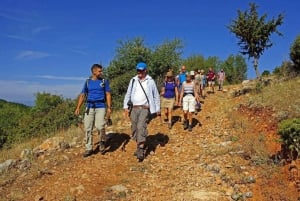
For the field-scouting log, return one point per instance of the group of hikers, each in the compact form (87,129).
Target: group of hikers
(143,100)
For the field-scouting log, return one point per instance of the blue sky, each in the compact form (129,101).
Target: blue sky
(49,45)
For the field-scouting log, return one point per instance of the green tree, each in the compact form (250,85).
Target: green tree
(266,73)
(45,102)
(129,53)
(10,116)
(214,62)
(285,70)
(195,62)
(253,32)
(235,68)
(295,53)
(164,57)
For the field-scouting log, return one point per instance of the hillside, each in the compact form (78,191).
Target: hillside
(231,154)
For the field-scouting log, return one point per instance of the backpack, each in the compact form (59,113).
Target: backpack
(173,83)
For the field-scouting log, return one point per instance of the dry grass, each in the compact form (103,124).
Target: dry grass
(15,151)
(69,135)
(282,97)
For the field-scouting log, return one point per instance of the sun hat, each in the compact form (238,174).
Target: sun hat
(192,73)
(169,74)
(141,66)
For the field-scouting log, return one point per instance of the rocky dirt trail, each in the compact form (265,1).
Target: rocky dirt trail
(206,164)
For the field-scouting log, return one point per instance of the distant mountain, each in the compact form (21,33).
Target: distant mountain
(2,102)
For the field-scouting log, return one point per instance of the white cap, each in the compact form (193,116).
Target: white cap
(192,72)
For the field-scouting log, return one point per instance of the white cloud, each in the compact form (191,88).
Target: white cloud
(40,29)
(51,77)
(12,16)
(31,55)
(80,52)
(17,37)
(24,91)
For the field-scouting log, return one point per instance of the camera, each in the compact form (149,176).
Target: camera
(130,105)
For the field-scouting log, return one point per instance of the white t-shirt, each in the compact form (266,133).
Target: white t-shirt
(139,97)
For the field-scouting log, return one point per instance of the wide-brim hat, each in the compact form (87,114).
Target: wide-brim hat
(169,74)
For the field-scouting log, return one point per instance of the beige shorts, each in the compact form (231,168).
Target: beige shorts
(188,103)
(167,102)
(211,83)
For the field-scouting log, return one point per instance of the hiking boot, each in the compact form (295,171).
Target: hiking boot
(140,154)
(185,124)
(190,128)
(87,153)
(102,146)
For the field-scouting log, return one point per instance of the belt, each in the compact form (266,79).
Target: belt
(188,94)
(141,106)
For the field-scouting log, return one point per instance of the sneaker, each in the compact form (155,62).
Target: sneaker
(87,153)
(185,124)
(140,154)
(102,146)
(190,128)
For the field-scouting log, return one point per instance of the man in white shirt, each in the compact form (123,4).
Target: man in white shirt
(142,93)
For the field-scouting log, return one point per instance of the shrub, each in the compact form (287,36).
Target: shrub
(289,131)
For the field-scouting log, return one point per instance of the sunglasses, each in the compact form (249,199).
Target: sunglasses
(140,71)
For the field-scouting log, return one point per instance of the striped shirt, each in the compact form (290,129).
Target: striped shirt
(188,88)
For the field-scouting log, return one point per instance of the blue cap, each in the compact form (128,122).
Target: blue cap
(141,66)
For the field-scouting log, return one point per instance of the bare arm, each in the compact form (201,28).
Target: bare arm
(176,95)
(108,103)
(80,101)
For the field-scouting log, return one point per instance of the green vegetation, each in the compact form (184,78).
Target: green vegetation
(50,114)
(295,54)
(289,131)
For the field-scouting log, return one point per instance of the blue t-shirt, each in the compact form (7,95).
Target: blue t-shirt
(182,78)
(169,89)
(95,90)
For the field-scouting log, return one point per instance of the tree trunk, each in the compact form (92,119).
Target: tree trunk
(256,67)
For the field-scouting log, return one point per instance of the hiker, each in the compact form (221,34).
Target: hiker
(181,77)
(203,83)
(169,93)
(197,85)
(188,97)
(211,76)
(141,100)
(96,92)
(221,79)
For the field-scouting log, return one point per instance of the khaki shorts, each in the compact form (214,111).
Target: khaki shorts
(211,83)
(188,103)
(167,102)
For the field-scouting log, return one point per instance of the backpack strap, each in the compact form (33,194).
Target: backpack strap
(87,88)
(131,88)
